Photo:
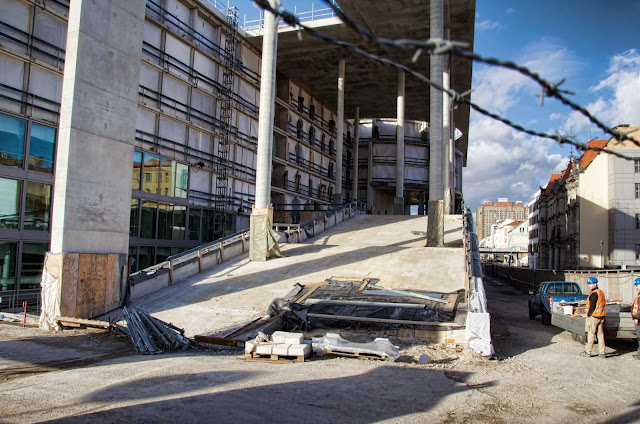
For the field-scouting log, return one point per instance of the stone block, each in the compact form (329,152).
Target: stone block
(300,350)
(249,346)
(281,349)
(264,349)
(285,337)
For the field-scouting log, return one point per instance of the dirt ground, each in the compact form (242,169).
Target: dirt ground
(537,376)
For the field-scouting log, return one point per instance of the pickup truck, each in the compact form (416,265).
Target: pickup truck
(550,292)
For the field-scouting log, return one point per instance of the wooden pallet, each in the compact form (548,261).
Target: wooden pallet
(256,357)
(359,355)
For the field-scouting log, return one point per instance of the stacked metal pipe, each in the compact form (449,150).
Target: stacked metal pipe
(151,336)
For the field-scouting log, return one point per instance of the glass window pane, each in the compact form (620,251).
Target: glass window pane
(151,170)
(179,222)
(137,169)
(134,217)
(181,180)
(37,206)
(32,262)
(41,147)
(12,133)
(9,203)
(166,177)
(7,265)
(162,253)
(165,211)
(207,225)
(148,220)
(194,224)
(145,257)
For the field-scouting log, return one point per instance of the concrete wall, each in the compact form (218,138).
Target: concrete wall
(593,195)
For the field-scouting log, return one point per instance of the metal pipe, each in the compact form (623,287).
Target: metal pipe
(340,133)
(356,155)
(399,200)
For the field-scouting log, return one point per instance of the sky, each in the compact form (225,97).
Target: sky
(593,44)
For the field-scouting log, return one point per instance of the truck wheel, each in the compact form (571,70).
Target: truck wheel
(574,337)
(545,318)
(532,314)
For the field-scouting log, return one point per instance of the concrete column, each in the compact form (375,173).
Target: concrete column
(94,158)
(370,191)
(446,138)
(435,229)
(337,197)
(356,142)
(267,99)
(258,250)
(398,201)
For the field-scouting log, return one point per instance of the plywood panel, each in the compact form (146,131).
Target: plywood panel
(91,285)
(69,288)
(112,283)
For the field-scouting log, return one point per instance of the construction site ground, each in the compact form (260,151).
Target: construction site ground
(389,248)
(537,377)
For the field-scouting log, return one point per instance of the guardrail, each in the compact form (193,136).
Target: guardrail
(193,261)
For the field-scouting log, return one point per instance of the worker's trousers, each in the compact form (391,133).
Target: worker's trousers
(638,336)
(593,325)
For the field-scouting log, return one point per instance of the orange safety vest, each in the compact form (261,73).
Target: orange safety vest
(636,306)
(601,304)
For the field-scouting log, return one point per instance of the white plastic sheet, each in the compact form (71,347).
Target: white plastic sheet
(50,305)
(334,342)
(478,333)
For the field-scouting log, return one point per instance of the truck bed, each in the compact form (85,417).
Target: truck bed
(618,323)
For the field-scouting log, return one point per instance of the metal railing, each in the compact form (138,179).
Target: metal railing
(312,15)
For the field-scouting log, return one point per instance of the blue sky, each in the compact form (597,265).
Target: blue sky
(594,44)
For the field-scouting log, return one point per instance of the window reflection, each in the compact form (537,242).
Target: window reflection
(194,224)
(165,210)
(7,265)
(207,225)
(181,180)
(9,203)
(179,222)
(137,170)
(12,135)
(151,172)
(162,253)
(166,176)
(32,263)
(41,148)
(145,257)
(37,206)
(134,217)
(148,220)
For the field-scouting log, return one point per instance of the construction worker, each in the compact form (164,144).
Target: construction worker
(635,314)
(596,311)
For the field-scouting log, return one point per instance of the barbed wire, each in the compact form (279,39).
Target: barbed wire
(439,46)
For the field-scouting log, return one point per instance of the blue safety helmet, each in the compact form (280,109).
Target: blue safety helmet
(593,280)
(637,282)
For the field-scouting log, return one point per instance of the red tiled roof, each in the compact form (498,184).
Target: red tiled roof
(590,155)
(553,178)
(515,223)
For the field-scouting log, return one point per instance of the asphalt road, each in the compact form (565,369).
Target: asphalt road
(538,377)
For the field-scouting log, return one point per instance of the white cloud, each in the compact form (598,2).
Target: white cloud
(555,116)
(504,162)
(511,11)
(618,101)
(487,25)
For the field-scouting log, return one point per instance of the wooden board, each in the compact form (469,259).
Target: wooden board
(221,341)
(113,278)
(83,322)
(258,324)
(276,358)
(384,320)
(359,355)
(91,284)
(451,302)
(307,294)
(69,284)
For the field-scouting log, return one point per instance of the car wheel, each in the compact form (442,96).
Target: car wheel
(532,314)
(546,317)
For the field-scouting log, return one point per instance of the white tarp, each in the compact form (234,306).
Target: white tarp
(478,333)
(333,342)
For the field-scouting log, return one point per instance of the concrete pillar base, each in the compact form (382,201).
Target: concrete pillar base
(259,223)
(337,199)
(435,226)
(398,205)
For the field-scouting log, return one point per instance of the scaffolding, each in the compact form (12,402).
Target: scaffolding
(224,145)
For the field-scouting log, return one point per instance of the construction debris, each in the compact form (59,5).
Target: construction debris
(333,344)
(151,336)
(281,347)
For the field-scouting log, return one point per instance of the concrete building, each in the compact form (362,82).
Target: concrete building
(131,128)
(588,214)
(491,212)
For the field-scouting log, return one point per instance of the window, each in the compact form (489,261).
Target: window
(165,212)
(9,203)
(8,265)
(32,263)
(41,147)
(637,191)
(151,167)
(12,135)
(636,163)
(178,228)
(37,206)
(137,169)
(147,178)
(181,172)
(194,223)
(637,251)
(134,217)
(638,221)
(148,220)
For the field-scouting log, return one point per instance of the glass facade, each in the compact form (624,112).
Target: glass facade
(41,148)
(12,141)
(10,194)
(37,206)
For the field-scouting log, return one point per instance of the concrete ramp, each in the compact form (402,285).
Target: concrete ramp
(390,248)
